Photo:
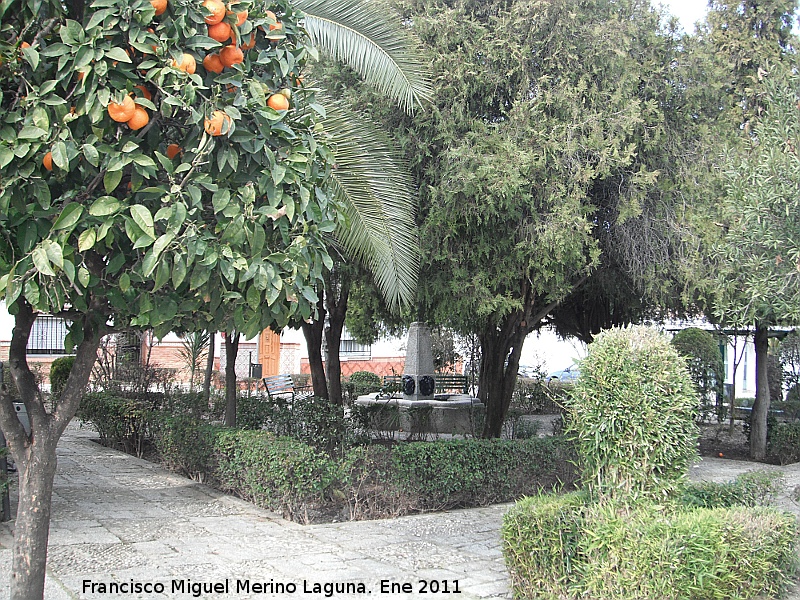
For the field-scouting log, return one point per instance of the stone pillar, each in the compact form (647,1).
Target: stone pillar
(418,378)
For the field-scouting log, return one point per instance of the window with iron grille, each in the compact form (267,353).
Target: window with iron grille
(47,335)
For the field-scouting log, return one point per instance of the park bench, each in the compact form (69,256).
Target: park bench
(281,387)
(444,383)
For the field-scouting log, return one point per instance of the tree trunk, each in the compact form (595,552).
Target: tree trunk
(35,453)
(500,352)
(337,311)
(212,344)
(32,527)
(231,352)
(758,417)
(313,333)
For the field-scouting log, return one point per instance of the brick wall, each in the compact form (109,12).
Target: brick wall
(392,365)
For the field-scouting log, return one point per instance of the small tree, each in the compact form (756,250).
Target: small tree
(706,368)
(142,190)
(631,413)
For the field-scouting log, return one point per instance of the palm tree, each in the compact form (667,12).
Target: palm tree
(376,190)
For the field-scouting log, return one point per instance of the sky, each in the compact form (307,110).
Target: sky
(687,11)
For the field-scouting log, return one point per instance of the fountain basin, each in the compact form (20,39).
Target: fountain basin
(455,414)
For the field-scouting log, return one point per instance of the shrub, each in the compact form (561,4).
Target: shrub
(540,543)
(361,383)
(59,373)
(560,547)
(537,396)
(256,412)
(706,367)
(704,553)
(754,488)
(185,444)
(119,421)
(4,481)
(277,473)
(631,414)
(784,442)
(451,473)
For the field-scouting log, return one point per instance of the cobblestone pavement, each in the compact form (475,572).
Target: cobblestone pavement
(119,519)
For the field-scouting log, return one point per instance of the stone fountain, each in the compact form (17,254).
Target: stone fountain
(420,409)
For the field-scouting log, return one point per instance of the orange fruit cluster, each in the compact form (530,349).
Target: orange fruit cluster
(221,30)
(130,113)
(217,124)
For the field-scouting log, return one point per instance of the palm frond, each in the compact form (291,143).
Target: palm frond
(358,34)
(380,204)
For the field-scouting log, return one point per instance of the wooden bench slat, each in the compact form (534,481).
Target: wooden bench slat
(443,382)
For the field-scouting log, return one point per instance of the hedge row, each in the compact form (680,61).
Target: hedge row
(291,477)
(564,547)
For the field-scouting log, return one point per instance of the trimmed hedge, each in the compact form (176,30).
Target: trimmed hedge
(59,373)
(120,422)
(561,547)
(474,472)
(784,442)
(291,477)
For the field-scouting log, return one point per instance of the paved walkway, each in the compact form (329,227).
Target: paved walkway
(119,519)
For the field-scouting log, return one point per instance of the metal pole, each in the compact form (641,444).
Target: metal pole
(5,513)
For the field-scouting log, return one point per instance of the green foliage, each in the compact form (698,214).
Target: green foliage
(185,444)
(273,472)
(758,254)
(537,396)
(120,422)
(790,358)
(562,548)
(631,414)
(451,473)
(4,481)
(540,543)
(718,553)
(361,383)
(784,442)
(59,373)
(228,232)
(701,350)
(754,488)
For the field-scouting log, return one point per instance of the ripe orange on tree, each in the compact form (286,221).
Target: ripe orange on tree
(139,119)
(160,6)
(212,63)
(231,55)
(251,44)
(241,17)
(217,10)
(47,161)
(278,102)
(187,63)
(145,92)
(217,124)
(122,113)
(220,32)
(173,150)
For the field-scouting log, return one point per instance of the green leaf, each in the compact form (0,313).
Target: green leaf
(141,215)
(104,206)
(60,158)
(178,271)
(31,132)
(118,54)
(6,156)
(41,262)
(86,240)
(91,154)
(69,216)
(83,276)
(111,180)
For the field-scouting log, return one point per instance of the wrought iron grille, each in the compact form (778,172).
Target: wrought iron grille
(47,335)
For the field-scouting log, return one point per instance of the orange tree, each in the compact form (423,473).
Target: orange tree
(140,188)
